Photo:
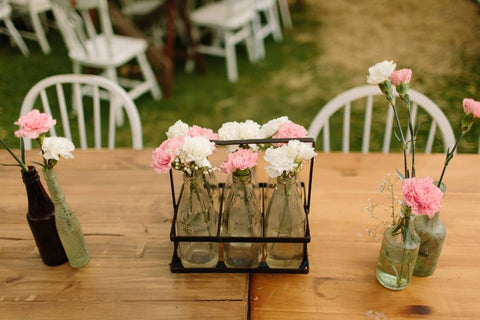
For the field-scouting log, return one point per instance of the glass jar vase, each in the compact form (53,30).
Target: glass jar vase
(196,217)
(398,253)
(242,218)
(285,217)
(68,225)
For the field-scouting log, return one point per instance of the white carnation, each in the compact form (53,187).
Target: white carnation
(380,72)
(249,130)
(303,151)
(54,147)
(178,129)
(271,127)
(229,131)
(280,159)
(196,150)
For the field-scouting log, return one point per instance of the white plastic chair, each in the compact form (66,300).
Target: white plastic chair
(232,20)
(267,8)
(54,94)
(367,94)
(5,12)
(102,49)
(34,9)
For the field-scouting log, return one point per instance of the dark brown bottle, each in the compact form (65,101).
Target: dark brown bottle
(41,219)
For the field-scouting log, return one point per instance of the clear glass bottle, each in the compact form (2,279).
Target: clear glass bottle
(41,219)
(398,253)
(196,217)
(285,217)
(242,218)
(68,226)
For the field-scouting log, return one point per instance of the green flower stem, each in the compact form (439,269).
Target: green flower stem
(449,156)
(406,98)
(20,163)
(402,137)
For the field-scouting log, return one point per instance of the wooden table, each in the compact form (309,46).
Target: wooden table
(125,210)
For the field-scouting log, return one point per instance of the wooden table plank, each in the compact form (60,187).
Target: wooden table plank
(342,283)
(126,211)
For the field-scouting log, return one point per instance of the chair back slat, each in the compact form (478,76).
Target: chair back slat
(346,128)
(78,101)
(387,137)
(97,117)
(431,137)
(326,136)
(367,126)
(63,111)
(46,107)
(111,123)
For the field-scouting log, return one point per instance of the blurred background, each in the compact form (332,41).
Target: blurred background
(328,50)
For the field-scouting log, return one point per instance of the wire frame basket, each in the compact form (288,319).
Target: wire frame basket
(176,265)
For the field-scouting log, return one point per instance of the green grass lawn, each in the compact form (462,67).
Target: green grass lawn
(293,80)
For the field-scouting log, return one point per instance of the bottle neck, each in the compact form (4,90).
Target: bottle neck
(39,204)
(56,193)
(243,176)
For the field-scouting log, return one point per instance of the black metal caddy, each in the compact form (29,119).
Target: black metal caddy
(176,264)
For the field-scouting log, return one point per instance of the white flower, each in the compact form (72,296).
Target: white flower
(196,150)
(280,160)
(380,72)
(287,158)
(271,127)
(249,130)
(178,129)
(54,147)
(229,131)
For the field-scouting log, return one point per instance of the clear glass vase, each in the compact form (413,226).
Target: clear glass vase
(196,217)
(285,217)
(242,218)
(432,233)
(398,253)
(68,225)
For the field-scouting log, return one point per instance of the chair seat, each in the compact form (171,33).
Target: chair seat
(122,49)
(215,15)
(38,5)
(141,8)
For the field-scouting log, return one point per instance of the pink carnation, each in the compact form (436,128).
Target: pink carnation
(422,196)
(289,129)
(196,131)
(471,106)
(401,76)
(163,156)
(33,124)
(241,159)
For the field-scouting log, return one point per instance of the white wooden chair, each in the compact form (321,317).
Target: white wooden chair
(285,13)
(232,20)
(56,94)
(34,9)
(268,9)
(5,12)
(364,95)
(102,49)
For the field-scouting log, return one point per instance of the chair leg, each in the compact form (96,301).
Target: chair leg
(285,13)
(230,58)
(112,75)
(149,76)
(38,28)
(274,23)
(258,35)
(17,37)
(250,41)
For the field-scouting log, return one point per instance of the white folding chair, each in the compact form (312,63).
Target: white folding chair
(231,20)
(56,94)
(267,9)
(363,98)
(5,12)
(34,9)
(102,49)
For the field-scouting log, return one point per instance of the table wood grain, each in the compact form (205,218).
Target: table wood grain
(125,210)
